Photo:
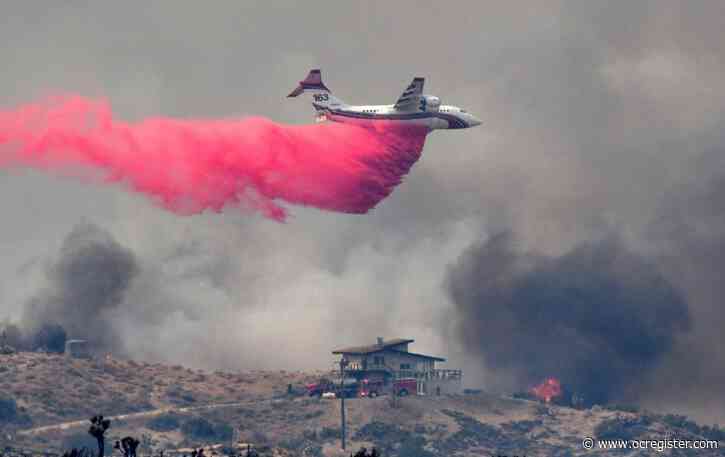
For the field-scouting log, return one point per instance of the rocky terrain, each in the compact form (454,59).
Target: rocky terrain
(46,400)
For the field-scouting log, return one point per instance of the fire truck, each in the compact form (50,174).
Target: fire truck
(369,387)
(372,387)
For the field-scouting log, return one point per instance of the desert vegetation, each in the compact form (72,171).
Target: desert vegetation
(10,413)
(182,410)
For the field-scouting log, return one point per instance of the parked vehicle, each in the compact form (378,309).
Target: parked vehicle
(405,386)
(350,388)
(319,388)
(372,387)
(366,387)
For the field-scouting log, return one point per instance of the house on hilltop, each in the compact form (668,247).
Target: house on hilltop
(392,360)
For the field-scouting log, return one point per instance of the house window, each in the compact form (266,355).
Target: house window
(405,366)
(378,360)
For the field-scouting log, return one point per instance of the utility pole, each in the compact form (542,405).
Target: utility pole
(343,364)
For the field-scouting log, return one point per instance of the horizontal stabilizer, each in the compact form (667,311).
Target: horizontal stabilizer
(312,83)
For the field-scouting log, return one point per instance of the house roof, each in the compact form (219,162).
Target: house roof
(422,356)
(360,350)
(387,345)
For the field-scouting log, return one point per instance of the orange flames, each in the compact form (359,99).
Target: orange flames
(550,388)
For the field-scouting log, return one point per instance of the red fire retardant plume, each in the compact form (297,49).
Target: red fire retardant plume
(550,388)
(189,166)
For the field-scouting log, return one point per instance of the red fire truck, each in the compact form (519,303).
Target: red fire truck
(372,387)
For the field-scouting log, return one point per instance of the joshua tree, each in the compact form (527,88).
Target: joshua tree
(97,430)
(250,452)
(128,446)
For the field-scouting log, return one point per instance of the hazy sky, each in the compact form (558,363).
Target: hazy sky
(599,118)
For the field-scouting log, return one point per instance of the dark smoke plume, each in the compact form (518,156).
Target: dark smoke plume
(598,317)
(688,234)
(48,337)
(86,284)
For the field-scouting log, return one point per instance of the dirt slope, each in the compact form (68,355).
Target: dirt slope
(170,407)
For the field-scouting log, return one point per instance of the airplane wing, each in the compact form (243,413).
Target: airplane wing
(410,99)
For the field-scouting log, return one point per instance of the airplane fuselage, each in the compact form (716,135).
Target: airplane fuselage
(412,108)
(444,117)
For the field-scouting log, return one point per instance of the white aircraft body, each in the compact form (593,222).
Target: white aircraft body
(412,108)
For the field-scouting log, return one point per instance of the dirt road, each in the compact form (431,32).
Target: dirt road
(142,414)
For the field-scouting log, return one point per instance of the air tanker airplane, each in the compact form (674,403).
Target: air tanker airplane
(412,107)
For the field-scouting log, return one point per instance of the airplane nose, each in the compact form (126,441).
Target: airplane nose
(474,121)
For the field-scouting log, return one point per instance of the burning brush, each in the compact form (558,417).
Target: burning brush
(548,390)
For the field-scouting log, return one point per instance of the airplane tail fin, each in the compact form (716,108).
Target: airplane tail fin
(312,83)
(322,98)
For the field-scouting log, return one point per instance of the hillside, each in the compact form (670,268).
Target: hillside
(171,406)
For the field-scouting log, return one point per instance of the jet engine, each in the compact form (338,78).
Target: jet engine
(430,103)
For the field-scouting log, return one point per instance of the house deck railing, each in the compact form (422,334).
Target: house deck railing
(436,374)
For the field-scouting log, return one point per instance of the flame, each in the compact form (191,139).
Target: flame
(550,388)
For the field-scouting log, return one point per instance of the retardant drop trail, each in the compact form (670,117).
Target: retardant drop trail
(190,166)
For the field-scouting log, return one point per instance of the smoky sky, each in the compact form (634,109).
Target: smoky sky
(87,282)
(601,120)
(598,317)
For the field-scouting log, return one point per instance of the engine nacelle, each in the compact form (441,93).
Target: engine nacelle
(430,103)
